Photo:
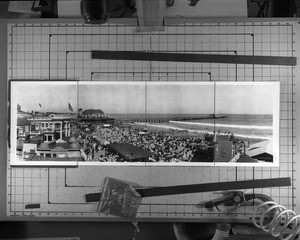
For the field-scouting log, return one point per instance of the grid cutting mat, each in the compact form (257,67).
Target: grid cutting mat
(63,51)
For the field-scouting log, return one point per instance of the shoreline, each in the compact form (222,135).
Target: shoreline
(170,128)
(191,133)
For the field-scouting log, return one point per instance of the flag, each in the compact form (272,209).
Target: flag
(70,107)
(40,105)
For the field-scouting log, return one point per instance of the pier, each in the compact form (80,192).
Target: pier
(168,119)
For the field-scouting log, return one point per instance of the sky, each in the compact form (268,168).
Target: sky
(135,99)
(52,96)
(155,97)
(250,98)
(113,98)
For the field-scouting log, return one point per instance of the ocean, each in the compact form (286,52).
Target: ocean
(251,126)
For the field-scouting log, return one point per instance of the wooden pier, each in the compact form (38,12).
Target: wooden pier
(168,119)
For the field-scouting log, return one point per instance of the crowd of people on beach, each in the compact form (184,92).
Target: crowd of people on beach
(165,147)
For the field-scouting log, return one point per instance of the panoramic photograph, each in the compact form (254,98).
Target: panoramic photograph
(138,123)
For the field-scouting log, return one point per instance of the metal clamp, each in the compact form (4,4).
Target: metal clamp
(235,198)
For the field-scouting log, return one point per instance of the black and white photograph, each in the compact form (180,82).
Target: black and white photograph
(138,123)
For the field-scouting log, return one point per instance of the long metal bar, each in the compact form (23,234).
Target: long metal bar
(203,187)
(186,57)
(211,187)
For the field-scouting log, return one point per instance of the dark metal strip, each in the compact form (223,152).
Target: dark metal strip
(203,187)
(185,57)
(211,187)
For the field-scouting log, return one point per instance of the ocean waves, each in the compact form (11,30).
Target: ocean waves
(198,131)
(235,126)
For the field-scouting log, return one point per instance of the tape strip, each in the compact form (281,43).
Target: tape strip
(92,197)
(31,206)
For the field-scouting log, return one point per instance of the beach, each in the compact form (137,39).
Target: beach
(170,141)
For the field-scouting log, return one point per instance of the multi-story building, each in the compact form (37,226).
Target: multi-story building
(50,127)
(49,138)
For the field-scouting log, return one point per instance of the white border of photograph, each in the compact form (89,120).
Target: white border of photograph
(274,87)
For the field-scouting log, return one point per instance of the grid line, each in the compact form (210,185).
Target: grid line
(55,51)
